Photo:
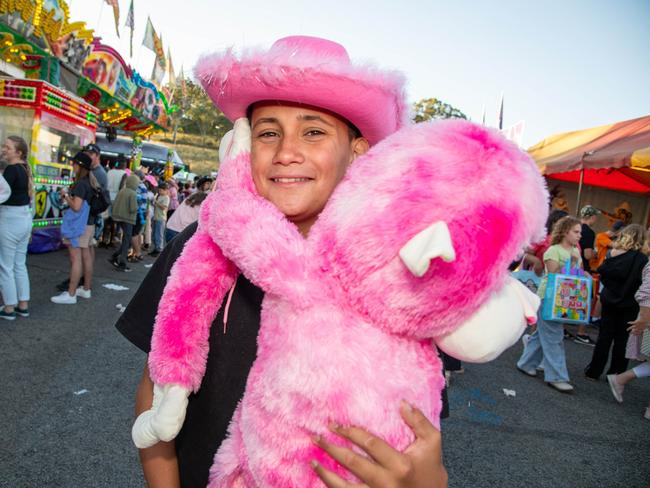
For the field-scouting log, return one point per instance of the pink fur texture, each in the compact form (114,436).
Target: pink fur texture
(311,71)
(346,330)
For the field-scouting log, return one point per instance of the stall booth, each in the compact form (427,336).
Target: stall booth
(606,166)
(55,125)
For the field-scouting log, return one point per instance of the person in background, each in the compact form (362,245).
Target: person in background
(534,256)
(617,382)
(141,218)
(151,183)
(605,243)
(95,154)
(15,228)
(187,213)
(125,213)
(173,196)
(204,184)
(545,346)
(160,206)
(114,177)
(588,217)
(621,276)
(81,259)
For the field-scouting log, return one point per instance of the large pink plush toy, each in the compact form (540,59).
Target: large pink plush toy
(411,252)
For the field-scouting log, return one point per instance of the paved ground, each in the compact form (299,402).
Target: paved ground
(69,378)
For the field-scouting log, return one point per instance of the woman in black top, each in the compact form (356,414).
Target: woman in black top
(621,276)
(15,229)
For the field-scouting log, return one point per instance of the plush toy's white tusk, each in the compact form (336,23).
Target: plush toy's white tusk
(495,327)
(432,242)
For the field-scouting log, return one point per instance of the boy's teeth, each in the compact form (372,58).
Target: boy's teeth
(290,180)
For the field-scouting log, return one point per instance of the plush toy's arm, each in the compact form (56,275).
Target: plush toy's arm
(197,284)
(495,327)
(249,229)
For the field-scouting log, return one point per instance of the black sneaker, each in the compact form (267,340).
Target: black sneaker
(584,340)
(113,262)
(64,285)
(123,268)
(23,312)
(568,335)
(7,315)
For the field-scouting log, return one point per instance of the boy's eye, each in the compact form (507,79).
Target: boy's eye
(267,133)
(314,132)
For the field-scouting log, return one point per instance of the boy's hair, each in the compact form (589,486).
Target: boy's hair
(163,186)
(562,228)
(631,238)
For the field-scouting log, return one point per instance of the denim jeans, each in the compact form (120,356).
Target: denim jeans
(15,229)
(546,346)
(157,234)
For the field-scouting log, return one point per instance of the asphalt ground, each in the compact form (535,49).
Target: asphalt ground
(69,378)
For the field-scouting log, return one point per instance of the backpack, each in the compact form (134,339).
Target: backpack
(99,201)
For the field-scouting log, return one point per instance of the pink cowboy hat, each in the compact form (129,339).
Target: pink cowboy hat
(310,71)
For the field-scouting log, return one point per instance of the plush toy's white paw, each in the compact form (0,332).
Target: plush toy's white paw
(163,421)
(494,327)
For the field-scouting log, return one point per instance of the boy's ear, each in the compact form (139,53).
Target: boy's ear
(360,145)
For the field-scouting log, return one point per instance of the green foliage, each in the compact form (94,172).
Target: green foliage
(198,115)
(432,108)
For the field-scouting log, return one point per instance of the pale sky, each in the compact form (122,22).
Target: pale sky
(561,64)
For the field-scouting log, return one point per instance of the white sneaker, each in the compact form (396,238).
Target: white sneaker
(64,299)
(83,293)
(617,389)
(561,386)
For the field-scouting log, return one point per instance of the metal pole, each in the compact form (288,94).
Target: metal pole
(582,177)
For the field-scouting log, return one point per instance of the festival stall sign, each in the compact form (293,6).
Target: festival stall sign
(56,125)
(125,100)
(46,25)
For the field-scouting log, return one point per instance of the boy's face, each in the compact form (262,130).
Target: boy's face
(298,156)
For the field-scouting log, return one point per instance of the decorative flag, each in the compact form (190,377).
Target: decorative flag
(149,36)
(170,65)
(130,23)
(116,14)
(501,113)
(183,85)
(158,73)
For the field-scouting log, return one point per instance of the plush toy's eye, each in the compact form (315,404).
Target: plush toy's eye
(432,242)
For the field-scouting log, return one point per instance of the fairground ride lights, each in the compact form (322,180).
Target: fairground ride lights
(52,181)
(46,223)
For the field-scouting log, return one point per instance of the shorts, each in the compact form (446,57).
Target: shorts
(86,239)
(138,227)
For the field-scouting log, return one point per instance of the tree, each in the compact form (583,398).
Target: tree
(432,108)
(199,115)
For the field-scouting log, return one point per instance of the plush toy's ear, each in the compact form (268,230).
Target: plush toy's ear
(432,242)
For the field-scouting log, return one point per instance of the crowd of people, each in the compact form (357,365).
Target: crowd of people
(142,213)
(617,260)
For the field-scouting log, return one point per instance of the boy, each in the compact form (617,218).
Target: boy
(161,205)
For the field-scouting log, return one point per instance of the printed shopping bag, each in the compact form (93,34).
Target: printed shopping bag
(568,297)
